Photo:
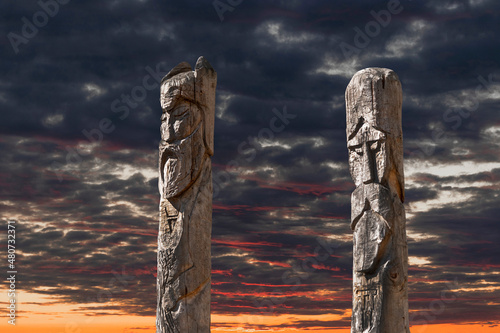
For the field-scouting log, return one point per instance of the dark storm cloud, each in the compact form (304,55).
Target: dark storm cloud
(68,231)
(466,231)
(91,238)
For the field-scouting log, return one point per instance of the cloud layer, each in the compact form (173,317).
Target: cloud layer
(80,130)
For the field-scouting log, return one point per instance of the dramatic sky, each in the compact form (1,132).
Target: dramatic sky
(80,120)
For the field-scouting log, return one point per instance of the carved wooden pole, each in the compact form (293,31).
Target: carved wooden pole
(185,183)
(380,252)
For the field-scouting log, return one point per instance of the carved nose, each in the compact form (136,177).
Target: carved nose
(168,130)
(169,134)
(368,172)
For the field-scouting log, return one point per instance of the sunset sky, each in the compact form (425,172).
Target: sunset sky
(80,119)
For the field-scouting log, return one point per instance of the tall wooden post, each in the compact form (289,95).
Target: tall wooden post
(380,252)
(185,183)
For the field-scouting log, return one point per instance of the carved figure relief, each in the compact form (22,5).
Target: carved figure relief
(185,184)
(380,259)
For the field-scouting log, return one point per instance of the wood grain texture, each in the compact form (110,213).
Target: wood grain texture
(380,252)
(185,183)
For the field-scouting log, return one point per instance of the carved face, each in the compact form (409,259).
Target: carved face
(182,148)
(368,155)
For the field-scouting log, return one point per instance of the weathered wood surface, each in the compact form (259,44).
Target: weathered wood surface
(185,183)
(380,253)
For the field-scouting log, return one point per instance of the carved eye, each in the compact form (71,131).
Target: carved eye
(172,91)
(357,149)
(374,145)
(180,112)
